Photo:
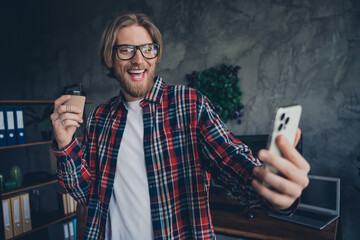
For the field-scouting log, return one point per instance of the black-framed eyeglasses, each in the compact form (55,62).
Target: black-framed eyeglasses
(127,51)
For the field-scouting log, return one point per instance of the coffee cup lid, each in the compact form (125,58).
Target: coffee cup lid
(75,89)
(73,92)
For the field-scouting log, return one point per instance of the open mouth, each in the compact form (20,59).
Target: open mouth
(137,74)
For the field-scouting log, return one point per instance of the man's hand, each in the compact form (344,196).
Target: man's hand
(65,121)
(293,167)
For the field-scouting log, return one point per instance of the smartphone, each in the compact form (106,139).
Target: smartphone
(286,122)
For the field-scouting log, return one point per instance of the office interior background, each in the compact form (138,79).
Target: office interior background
(290,51)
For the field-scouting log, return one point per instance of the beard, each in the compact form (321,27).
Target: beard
(135,89)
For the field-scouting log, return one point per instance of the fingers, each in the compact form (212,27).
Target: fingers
(279,200)
(69,123)
(66,108)
(69,119)
(286,167)
(60,107)
(65,113)
(292,154)
(297,137)
(61,100)
(278,183)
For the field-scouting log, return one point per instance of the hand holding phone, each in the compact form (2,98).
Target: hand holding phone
(286,122)
(283,189)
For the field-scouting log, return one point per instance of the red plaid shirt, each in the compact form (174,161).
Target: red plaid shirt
(184,142)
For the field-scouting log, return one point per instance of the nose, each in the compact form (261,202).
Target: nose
(138,58)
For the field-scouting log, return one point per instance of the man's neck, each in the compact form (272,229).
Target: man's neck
(130,98)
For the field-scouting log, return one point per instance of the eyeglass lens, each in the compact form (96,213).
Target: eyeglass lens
(126,52)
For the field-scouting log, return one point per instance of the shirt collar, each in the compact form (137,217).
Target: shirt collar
(156,92)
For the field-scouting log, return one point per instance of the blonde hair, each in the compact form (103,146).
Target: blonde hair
(111,31)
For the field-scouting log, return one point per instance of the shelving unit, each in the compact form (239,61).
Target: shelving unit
(39,221)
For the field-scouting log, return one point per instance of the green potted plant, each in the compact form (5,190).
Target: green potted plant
(41,119)
(221,85)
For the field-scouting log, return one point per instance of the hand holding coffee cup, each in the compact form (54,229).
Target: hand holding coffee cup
(67,116)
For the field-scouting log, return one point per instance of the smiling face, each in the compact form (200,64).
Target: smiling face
(135,75)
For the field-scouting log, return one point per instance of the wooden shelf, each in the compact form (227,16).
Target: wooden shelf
(30,144)
(22,102)
(26,101)
(26,188)
(26,144)
(45,220)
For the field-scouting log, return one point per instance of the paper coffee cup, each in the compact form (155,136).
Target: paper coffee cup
(77,99)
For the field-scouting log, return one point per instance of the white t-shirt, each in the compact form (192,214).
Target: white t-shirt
(129,214)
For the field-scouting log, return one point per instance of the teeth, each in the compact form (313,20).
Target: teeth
(136,71)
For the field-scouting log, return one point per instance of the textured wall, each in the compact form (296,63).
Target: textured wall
(298,51)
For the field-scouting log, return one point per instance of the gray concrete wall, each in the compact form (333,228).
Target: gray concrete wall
(299,51)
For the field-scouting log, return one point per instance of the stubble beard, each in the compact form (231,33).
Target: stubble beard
(135,90)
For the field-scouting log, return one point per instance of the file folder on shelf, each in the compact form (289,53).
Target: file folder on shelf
(10,126)
(2,128)
(71,203)
(63,202)
(16,215)
(67,202)
(25,212)
(6,205)
(66,231)
(74,223)
(71,230)
(20,128)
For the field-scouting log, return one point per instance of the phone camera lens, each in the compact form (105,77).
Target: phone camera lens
(280,127)
(282,116)
(287,120)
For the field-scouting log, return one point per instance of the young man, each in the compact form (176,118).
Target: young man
(145,161)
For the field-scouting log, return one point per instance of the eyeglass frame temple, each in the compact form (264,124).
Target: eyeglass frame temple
(137,47)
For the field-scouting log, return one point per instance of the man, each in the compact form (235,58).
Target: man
(146,157)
